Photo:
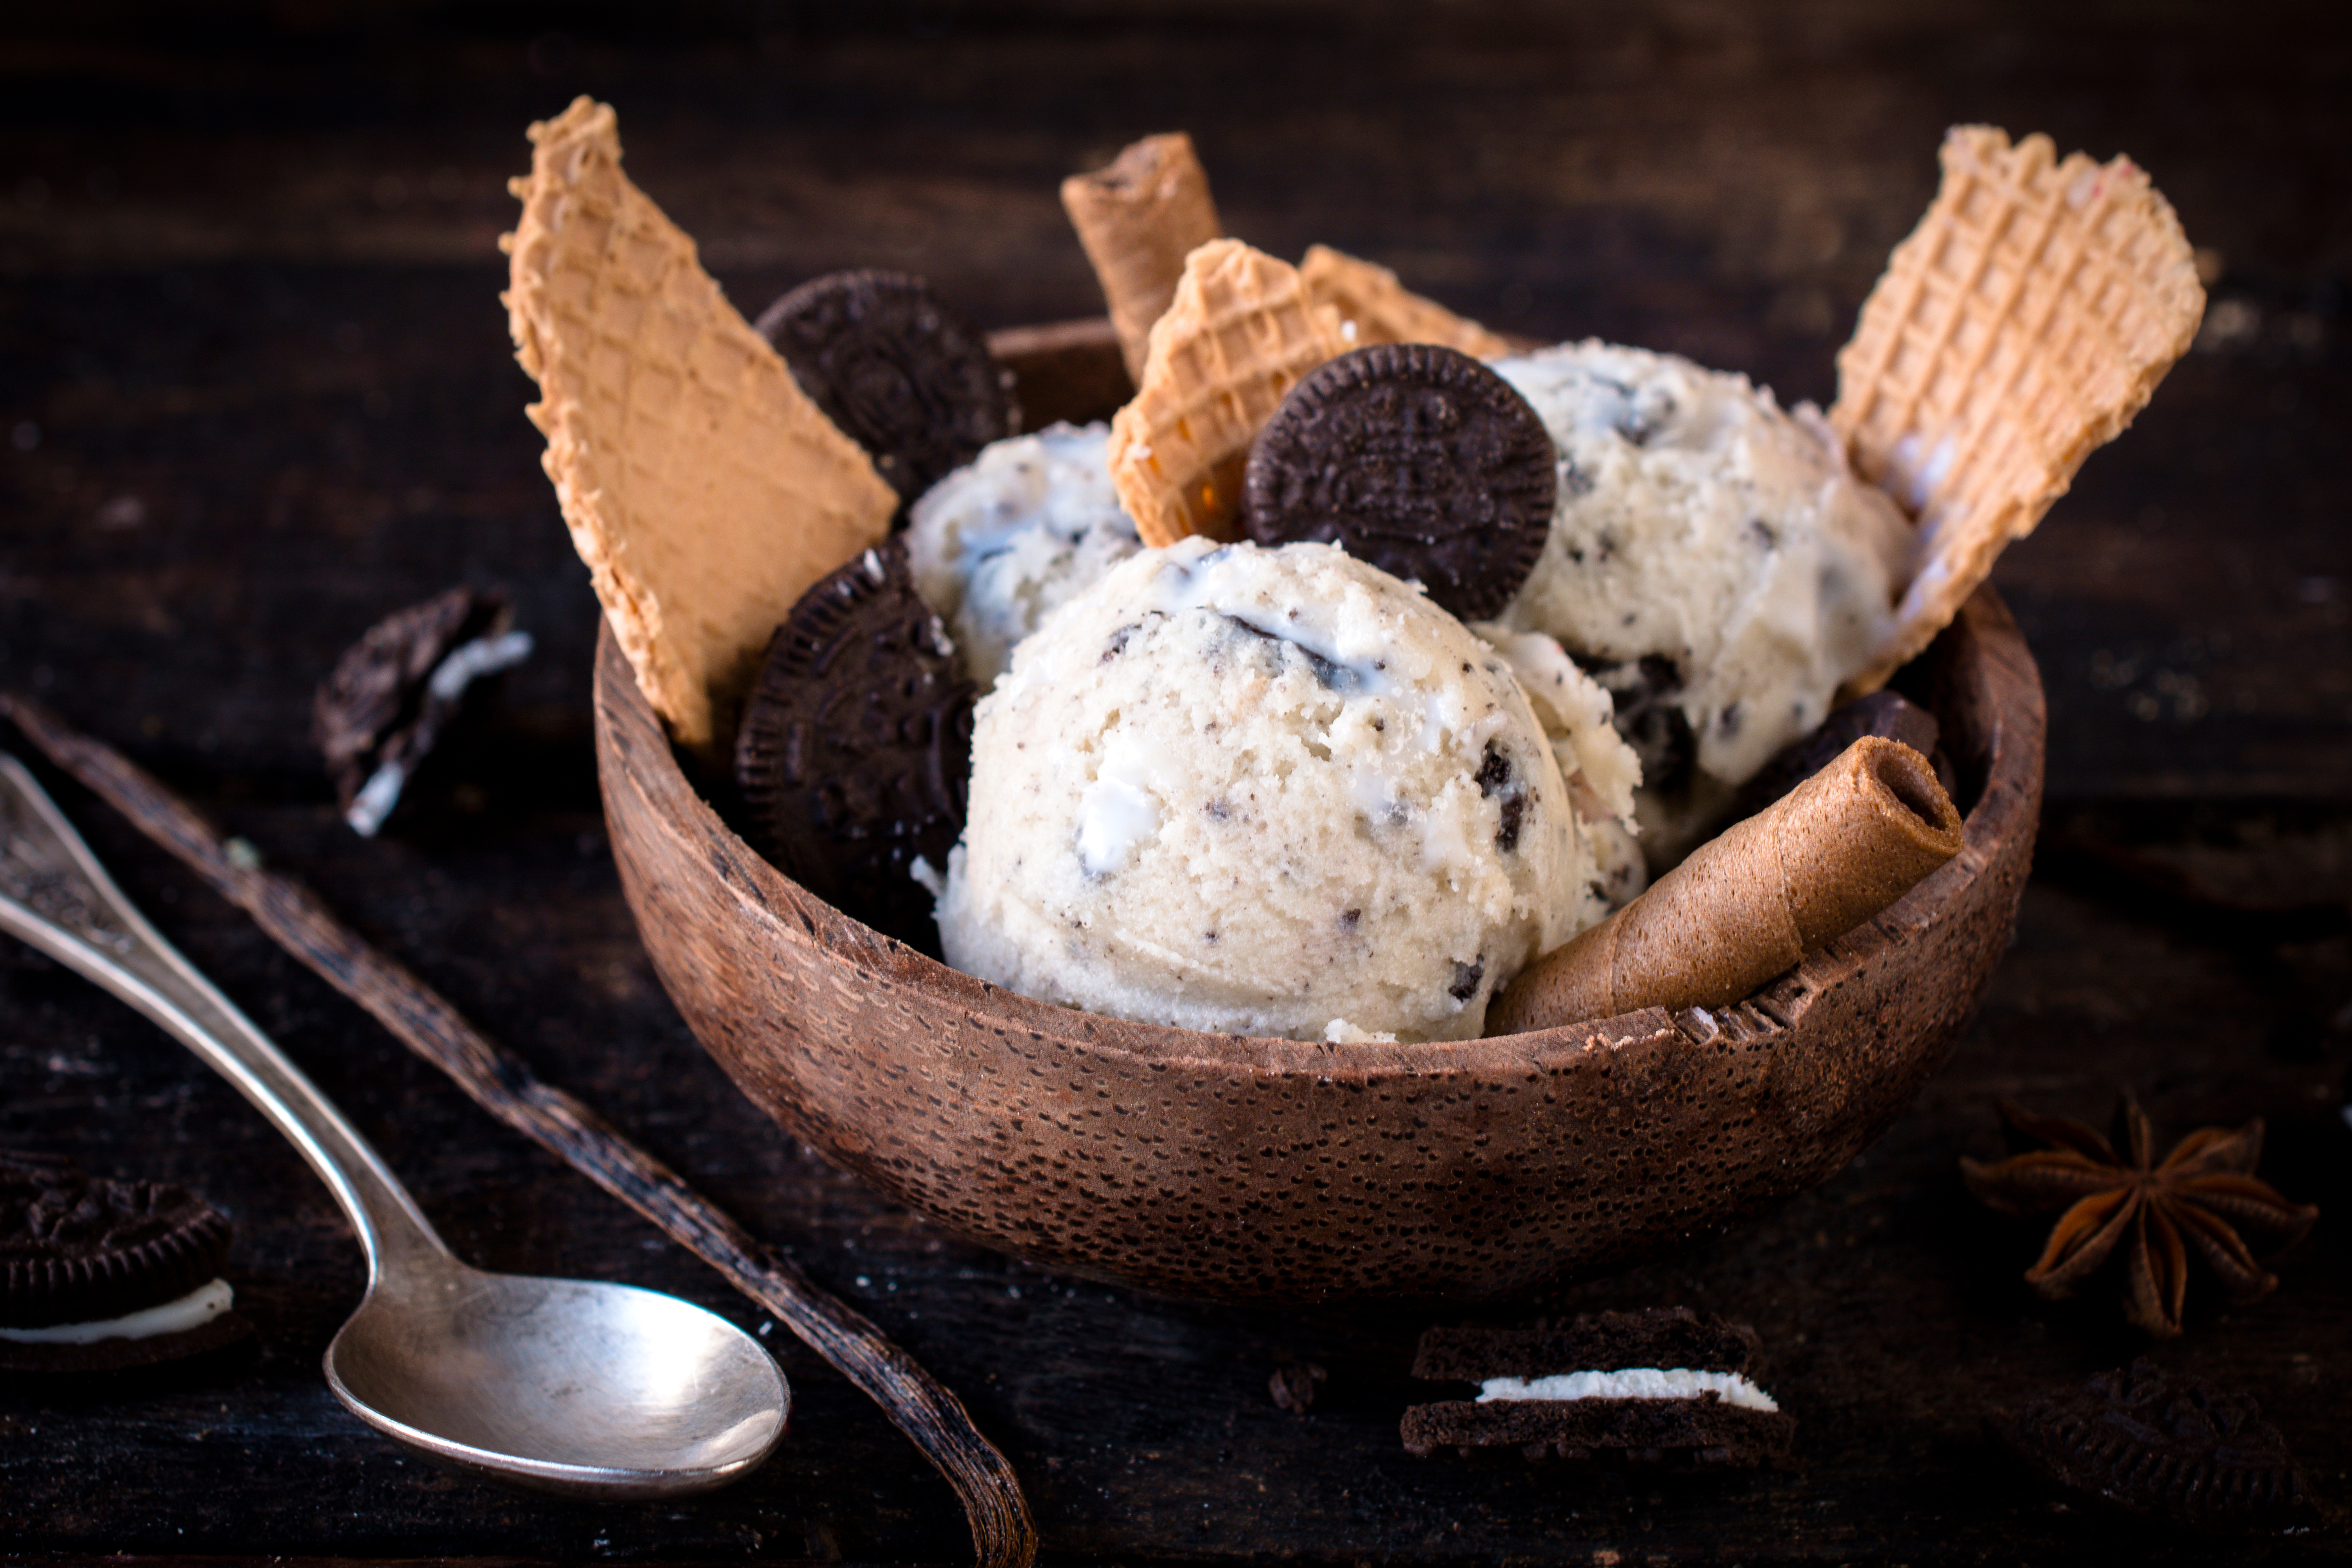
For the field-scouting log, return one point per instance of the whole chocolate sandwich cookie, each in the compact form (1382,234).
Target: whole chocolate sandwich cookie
(2138,1440)
(98,1276)
(1416,458)
(1656,1386)
(856,750)
(895,371)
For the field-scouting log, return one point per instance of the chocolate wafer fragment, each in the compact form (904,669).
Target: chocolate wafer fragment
(394,692)
(2176,1450)
(1650,1336)
(856,748)
(1661,1386)
(1416,458)
(79,1254)
(896,369)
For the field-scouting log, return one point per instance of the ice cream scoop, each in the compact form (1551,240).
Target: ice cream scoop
(1264,791)
(1712,560)
(1004,540)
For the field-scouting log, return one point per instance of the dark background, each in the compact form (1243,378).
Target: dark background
(256,392)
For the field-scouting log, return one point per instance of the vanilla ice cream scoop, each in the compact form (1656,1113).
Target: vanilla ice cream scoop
(1712,560)
(1264,791)
(1001,541)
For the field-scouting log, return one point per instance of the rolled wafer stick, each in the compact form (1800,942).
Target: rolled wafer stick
(1139,216)
(1750,904)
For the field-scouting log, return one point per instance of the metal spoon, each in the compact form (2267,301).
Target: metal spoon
(564,1385)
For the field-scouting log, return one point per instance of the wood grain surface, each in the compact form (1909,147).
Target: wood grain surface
(255,393)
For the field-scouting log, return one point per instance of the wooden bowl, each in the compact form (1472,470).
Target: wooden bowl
(1223,1166)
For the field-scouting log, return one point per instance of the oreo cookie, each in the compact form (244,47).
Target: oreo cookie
(1661,1387)
(100,1275)
(1416,458)
(895,371)
(2173,1449)
(856,750)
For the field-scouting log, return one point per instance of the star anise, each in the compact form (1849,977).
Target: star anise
(2203,1196)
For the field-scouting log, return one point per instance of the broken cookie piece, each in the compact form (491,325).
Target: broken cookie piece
(1659,1384)
(396,689)
(103,1276)
(2142,1441)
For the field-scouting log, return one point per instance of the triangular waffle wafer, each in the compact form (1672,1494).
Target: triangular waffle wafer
(702,486)
(1240,333)
(1380,310)
(2019,327)
(1139,216)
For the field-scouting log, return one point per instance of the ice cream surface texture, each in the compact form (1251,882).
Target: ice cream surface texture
(1264,791)
(1007,537)
(1713,562)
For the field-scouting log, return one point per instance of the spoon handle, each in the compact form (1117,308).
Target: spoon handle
(55,895)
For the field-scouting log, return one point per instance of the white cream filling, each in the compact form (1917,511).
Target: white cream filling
(196,1308)
(1632,1382)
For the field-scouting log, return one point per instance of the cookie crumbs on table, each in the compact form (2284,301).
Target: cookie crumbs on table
(2144,1442)
(1295,1384)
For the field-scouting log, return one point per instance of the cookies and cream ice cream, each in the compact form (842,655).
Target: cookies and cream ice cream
(1713,562)
(1001,541)
(1268,792)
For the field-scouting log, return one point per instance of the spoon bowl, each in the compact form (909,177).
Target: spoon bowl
(564,1385)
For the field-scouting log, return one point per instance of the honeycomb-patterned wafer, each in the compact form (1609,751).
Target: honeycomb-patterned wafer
(2020,326)
(1139,216)
(1374,308)
(702,486)
(1239,334)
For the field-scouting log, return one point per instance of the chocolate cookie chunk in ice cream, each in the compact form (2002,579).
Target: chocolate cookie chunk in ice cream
(1263,791)
(1713,562)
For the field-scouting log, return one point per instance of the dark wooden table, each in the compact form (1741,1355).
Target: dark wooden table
(256,392)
